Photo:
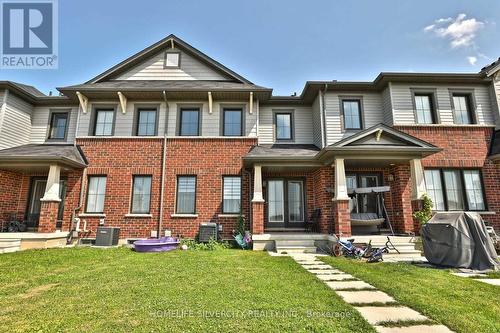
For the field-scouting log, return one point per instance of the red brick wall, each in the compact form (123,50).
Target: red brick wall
(464,147)
(10,185)
(208,159)
(119,159)
(323,182)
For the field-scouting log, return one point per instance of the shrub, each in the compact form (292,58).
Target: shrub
(212,245)
(425,214)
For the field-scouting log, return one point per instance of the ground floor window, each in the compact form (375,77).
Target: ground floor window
(186,195)
(455,189)
(141,194)
(95,194)
(231,197)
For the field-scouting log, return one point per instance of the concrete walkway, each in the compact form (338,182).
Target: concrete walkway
(375,306)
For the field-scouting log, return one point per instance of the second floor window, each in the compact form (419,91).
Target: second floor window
(104,119)
(141,194)
(352,114)
(96,193)
(58,125)
(146,122)
(283,124)
(462,109)
(455,189)
(424,108)
(232,122)
(189,124)
(186,195)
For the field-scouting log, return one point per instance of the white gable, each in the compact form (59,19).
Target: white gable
(190,69)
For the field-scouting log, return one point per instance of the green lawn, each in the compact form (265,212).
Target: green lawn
(462,304)
(93,290)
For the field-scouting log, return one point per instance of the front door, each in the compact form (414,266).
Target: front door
(285,198)
(366,203)
(38,186)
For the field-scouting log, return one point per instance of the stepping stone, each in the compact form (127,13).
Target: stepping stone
(377,314)
(366,297)
(310,262)
(342,285)
(469,275)
(335,277)
(325,271)
(309,267)
(495,282)
(414,329)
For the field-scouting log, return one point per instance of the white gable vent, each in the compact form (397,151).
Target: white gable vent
(172,59)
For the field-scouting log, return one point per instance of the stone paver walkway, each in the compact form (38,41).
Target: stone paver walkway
(375,306)
(477,276)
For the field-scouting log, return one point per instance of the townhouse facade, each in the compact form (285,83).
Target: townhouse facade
(170,138)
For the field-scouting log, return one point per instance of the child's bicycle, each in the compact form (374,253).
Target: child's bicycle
(377,254)
(348,249)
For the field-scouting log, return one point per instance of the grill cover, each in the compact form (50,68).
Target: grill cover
(458,240)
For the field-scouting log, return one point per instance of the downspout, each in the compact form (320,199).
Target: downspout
(163,166)
(72,228)
(3,107)
(162,187)
(250,221)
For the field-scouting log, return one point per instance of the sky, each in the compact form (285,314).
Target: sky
(278,44)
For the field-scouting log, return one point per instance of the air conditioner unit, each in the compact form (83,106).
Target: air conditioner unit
(208,231)
(107,236)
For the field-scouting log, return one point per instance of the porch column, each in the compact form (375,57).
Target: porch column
(341,212)
(257,202)
(417,179)
(50,202)
(418,189)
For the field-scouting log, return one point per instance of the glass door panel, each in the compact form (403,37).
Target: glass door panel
(295,201)
(276,201)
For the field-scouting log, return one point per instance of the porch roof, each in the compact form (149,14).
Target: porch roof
(283,153)
(379,144)
(41,155)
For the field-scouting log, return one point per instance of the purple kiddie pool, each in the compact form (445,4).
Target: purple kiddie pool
(156,245)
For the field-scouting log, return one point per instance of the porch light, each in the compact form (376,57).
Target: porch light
(390,177)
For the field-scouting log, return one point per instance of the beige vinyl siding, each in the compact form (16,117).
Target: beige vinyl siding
(302,122)
(16,124)
(496,98)
(210,123)
(316,118)
(372,113)
(190,69)
(387,105)
(40,123)
(403,104)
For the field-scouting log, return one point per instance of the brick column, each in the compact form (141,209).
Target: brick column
(257,217)
(401,192)
(342,218)
(416,205)
(48,216)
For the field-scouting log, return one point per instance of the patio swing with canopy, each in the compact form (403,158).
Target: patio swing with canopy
(369,219)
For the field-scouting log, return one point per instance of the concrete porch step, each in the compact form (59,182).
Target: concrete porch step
(294,242)
(296,249)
